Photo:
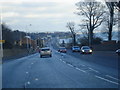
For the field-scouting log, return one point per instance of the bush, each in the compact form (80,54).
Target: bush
(85,41)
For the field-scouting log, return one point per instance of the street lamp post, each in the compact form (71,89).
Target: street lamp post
(1,47)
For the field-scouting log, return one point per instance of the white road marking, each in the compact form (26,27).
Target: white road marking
(106,80)
(82,65)
(64,62)
(70,65)
(112,77)
(81,70)
(36,79)
(32,63)
(28,82)
(27,72)
(94,70)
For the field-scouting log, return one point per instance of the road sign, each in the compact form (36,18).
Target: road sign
(2,41)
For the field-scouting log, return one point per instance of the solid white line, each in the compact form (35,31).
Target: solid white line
(106,80)
(112,77)
(81,70)
(93,70)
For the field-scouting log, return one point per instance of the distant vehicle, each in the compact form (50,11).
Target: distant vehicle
(62,49)
(86,50)
(76,49)
(118,51)
(45,52)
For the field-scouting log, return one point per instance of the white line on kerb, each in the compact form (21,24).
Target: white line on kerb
(112,77)
(81,70)
(106,79)
(93,70)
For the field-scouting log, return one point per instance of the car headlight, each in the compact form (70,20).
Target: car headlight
(83,50)
(90,50)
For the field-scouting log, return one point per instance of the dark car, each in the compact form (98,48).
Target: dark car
(75,49)
(118,51)
(62,49)
(86,50)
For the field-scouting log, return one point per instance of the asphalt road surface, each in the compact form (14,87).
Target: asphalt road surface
(59,71)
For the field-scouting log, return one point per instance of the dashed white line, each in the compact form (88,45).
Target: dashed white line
(94,70)
(112,77)
(106,80)
(28,82)
(82,65)
(81,70)
(70,65)
(36,79)
(60,59)
(27,72)
(64,62)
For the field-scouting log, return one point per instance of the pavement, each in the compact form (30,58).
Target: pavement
(60,71)
(0,73)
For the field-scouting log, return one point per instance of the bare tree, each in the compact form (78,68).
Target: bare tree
(110,6)
(106,26)
(93,13)
(71,27)
(117,5)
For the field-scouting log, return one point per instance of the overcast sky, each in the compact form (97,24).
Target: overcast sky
(43,15)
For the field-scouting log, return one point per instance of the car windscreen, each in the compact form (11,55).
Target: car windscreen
(45,49)
(85,48)
(76,47)
(62,48)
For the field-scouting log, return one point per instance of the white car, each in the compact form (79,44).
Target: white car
(45,52)
(86,50)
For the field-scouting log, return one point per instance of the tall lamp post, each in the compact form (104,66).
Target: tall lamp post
(1,48)
(1,41)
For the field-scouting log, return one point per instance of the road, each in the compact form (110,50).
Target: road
(60,71)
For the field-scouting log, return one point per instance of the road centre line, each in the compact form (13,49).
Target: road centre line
(36,79)
(82,65)
(27,72)
(106,79)
(64,62)
(112,77)
(81,70)
(70,65)
(94,70)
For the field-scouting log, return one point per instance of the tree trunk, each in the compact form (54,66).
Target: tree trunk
(111,23)
(90,38)
(74,39)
